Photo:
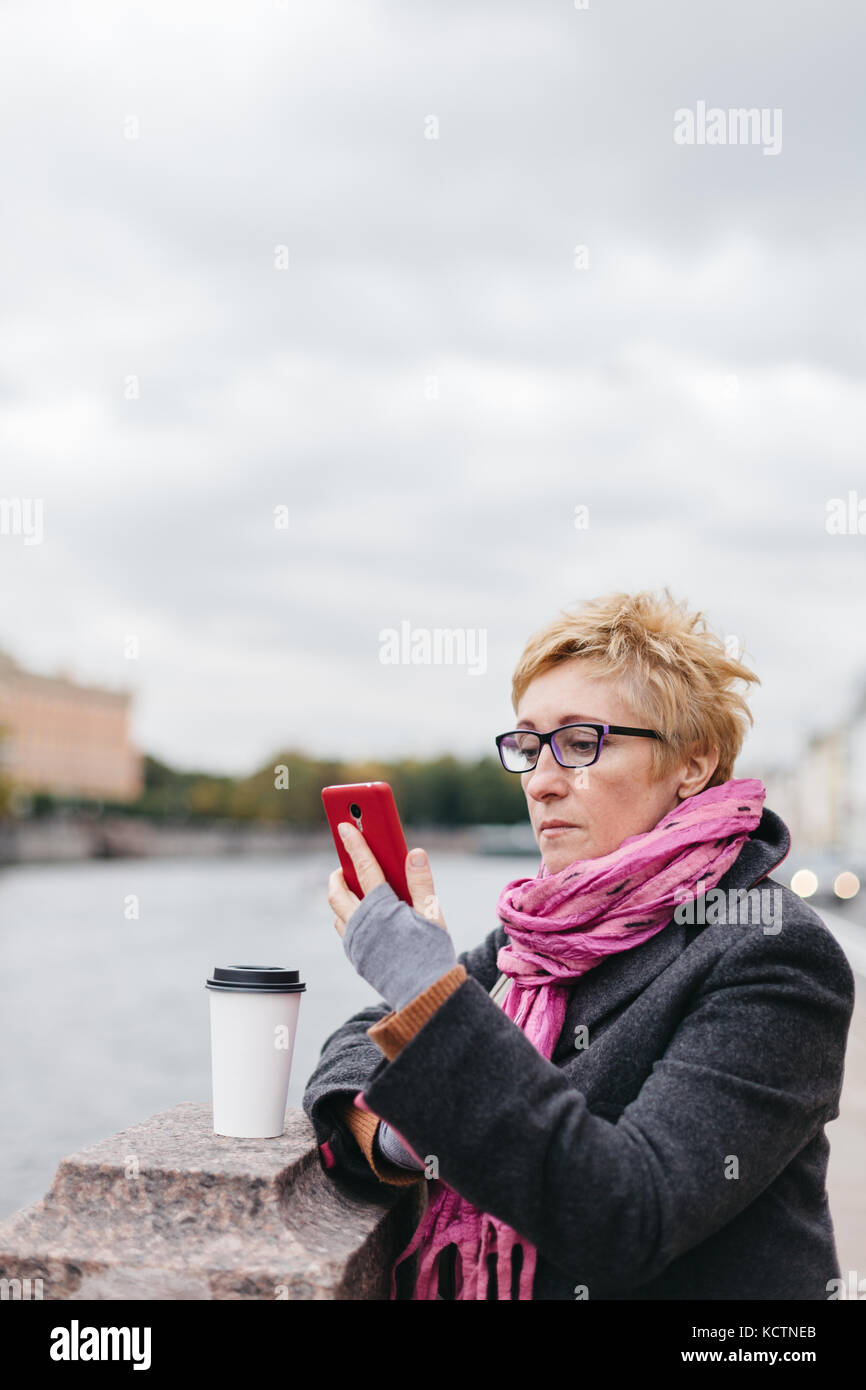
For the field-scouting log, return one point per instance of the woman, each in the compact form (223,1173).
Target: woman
(622,1092)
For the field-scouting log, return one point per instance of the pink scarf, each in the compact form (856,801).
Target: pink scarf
(559,926)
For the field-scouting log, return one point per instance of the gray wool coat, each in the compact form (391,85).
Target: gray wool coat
(678,1151)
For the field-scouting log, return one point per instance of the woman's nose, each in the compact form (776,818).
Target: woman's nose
(547,775)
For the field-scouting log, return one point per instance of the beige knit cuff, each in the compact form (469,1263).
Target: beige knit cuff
(393,1031)
(364,1125)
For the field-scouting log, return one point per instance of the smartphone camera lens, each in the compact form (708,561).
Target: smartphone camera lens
(355,810)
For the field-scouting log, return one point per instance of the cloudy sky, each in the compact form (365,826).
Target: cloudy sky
(298,345)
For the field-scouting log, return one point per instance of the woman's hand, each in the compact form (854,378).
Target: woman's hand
(418,878)
(398,949)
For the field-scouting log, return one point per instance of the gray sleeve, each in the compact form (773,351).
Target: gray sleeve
(395,948)
(390,1147)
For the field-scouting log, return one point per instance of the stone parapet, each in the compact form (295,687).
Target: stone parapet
(169,1210)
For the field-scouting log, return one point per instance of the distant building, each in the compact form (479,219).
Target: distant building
(782,796)
(855,765)
(822,797)
(822,789)
(66,739)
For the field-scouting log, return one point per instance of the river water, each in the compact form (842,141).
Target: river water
(104,1013)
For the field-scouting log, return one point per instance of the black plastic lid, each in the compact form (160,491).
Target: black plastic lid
(265,979)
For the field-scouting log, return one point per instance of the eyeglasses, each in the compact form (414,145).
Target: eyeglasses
(574,745)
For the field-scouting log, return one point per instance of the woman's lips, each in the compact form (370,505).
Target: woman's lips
(554,830)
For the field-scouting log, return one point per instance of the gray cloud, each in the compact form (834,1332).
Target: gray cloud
(699,386)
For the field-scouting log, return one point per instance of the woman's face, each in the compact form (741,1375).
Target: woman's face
(617,798)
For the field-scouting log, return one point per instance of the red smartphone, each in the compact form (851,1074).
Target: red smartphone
(372,808)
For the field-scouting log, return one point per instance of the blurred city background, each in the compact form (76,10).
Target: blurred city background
(344,346)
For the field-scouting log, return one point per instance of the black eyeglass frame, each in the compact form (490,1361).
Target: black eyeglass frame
(601,730)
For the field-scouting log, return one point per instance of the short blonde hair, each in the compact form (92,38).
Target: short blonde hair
(674,671)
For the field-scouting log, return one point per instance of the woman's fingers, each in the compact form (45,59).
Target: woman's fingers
(340,896)
(420,881)
(366,867)
(342,901)
(419,878)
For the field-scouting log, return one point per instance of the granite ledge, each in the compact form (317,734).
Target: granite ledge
(166,1209)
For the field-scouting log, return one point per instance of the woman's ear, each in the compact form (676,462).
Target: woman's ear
(698,768)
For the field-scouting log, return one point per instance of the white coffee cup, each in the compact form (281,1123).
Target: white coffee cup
(253,1020)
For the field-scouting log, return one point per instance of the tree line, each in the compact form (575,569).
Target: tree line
(440,791)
